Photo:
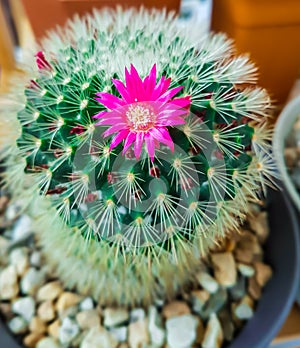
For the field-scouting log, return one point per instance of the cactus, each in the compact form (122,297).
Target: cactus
(140,146)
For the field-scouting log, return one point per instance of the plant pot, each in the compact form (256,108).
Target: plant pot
(283,129)
(270,31)
(45,15)
(278,295)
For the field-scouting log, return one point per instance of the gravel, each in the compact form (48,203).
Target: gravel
(44,314)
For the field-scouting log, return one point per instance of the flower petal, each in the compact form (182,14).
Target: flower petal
(161,87)
(100,114)
(182,102)
(122,90)
(113,129)
(110,101)
(150,81)
(170,93)
(162,135)
(118,138)
(129,140)
(150,143)
(138,145)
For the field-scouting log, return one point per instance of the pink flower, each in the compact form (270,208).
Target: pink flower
(143,113)
(41,61)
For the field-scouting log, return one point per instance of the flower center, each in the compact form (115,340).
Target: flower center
(141,117)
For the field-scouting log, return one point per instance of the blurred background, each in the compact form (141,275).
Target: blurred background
(269,30)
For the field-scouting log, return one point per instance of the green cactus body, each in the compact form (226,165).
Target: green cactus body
(128,228)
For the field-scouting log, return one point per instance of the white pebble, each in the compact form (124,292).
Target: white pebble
(47,342)
(22,228)
(137,314)
(68,330)
(119,333)
(86,304)
(9,287)
(35,259)
(157,333)
(19,258)
(32,280)
(115,316)
(208,282)
(25,307)
(18,325)
(181,331)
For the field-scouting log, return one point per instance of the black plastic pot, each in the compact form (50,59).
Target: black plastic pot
(282,253)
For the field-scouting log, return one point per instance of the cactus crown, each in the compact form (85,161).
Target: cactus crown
(147,142)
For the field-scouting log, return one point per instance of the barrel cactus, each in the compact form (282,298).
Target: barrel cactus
(140,146)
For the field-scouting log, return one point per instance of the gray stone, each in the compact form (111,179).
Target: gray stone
(86,304)
(98,338)
(207,282)
(181,331)
(13,210)
(22,228)
(32,280)
(239,289)
(25,307)
(18,325)
(9,287)
(214,304)
(69,312)
(119,333)
(213,337)
(68,331)
(246,270)
(35,259)
(244,310)
(48,342)
(227,324)
(198,299)
(20,259)
(115,316)
(137,314)
(155,327)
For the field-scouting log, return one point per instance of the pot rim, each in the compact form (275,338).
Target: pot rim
(282,130)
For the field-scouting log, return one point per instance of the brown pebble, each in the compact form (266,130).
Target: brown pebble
(32,339)
(46,311)
(254,289)
(66,300)
(49,291)
(5,309)
(53,329)
(290,155)
(260,226)
(200,331)
(247,247)
(263,273)
(138,334)
(37,325)
(3,203)
(224,268)
(175,309)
